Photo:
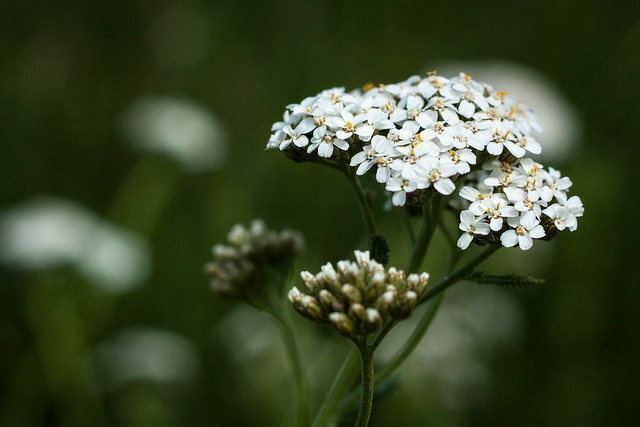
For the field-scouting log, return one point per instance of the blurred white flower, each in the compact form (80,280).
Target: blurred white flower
(47,232)
(140,354)
(562,124)
(176,128)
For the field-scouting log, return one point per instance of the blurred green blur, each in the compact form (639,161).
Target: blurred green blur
(81,84)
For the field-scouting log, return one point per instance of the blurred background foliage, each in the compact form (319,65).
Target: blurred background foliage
(132,139)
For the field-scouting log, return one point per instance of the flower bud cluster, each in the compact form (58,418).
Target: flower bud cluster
(241,266)
(358,298)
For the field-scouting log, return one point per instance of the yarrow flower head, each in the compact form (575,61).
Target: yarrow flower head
(441,136)
(358,298)
(254,256)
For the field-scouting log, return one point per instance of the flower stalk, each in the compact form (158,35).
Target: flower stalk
(366,378)
(365,205)
(431,214)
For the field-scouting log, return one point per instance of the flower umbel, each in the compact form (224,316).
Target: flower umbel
(431,134)
(358,298)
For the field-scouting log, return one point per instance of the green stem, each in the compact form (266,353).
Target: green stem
(430,220)
(366,377)
(365,206)
(302,386)
(342,383)
(411,235)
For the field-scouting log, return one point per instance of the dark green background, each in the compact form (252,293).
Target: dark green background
(69,69)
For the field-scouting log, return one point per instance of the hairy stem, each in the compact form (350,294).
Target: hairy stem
(366,377)
(302,386)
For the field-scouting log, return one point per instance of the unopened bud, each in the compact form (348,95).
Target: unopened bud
(424,281)
(362,257)
(258,228)
(405,304)
(386,301)
(344,267)
(222,251)
(357,310)
(373,317)
(329,301)
(238,235)
(413,280)
(351,293)
(294,294)
(395,276)
(329,273)
(291,242)
(309,281)
(311,306)
(342,322)
(377,284)
(378,279)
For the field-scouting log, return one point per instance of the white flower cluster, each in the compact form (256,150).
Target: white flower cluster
(423,133)
(517,202)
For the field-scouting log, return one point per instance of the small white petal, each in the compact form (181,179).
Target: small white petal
(509,238)
(399,198)
(325,150)
(525,242)
(466,108)
(444,186)
(537,232)
(464,241)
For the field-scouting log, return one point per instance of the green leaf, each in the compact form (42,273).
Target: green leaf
(516,280)
(379,248)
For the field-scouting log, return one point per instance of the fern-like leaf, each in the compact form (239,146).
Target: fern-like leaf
(517,280)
